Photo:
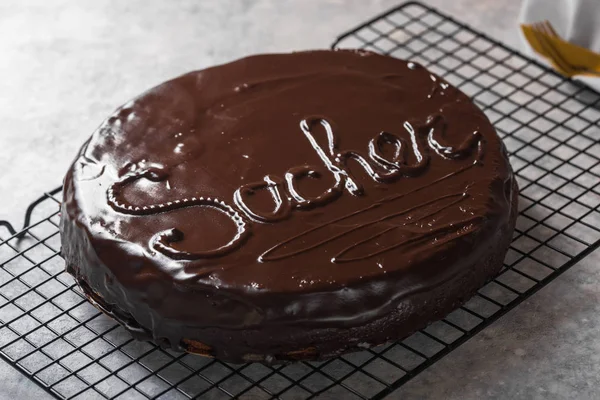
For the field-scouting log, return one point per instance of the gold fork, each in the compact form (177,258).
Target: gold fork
(546,27)
(568,58)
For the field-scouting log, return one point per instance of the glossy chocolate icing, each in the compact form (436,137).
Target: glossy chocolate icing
(303,191)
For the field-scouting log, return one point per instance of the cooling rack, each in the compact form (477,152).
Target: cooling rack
(550,127)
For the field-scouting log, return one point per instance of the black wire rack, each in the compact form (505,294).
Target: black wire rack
(550,126)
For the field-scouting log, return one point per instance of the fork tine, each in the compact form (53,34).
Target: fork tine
(551,30)
(539,28)
(549,49)
(557,57)
(531,37)
(544,28)
(540,31)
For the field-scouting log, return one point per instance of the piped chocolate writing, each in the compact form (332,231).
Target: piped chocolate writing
(286,195)
(162,240)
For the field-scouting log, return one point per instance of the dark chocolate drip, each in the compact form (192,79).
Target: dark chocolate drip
(117,314)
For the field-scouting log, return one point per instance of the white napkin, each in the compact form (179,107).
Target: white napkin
(576,21)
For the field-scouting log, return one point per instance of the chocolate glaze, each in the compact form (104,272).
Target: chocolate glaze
(287,196)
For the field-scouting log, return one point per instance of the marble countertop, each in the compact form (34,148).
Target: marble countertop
(66,64)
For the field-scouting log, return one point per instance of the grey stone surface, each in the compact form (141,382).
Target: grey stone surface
(66,64)
(546,348)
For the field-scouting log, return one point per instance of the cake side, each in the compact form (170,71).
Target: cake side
(284,344)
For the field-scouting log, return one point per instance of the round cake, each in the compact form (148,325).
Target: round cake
(289,206)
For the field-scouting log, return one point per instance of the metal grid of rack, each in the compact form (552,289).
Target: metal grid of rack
(550,127)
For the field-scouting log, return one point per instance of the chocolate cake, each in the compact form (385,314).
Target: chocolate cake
(288,206)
